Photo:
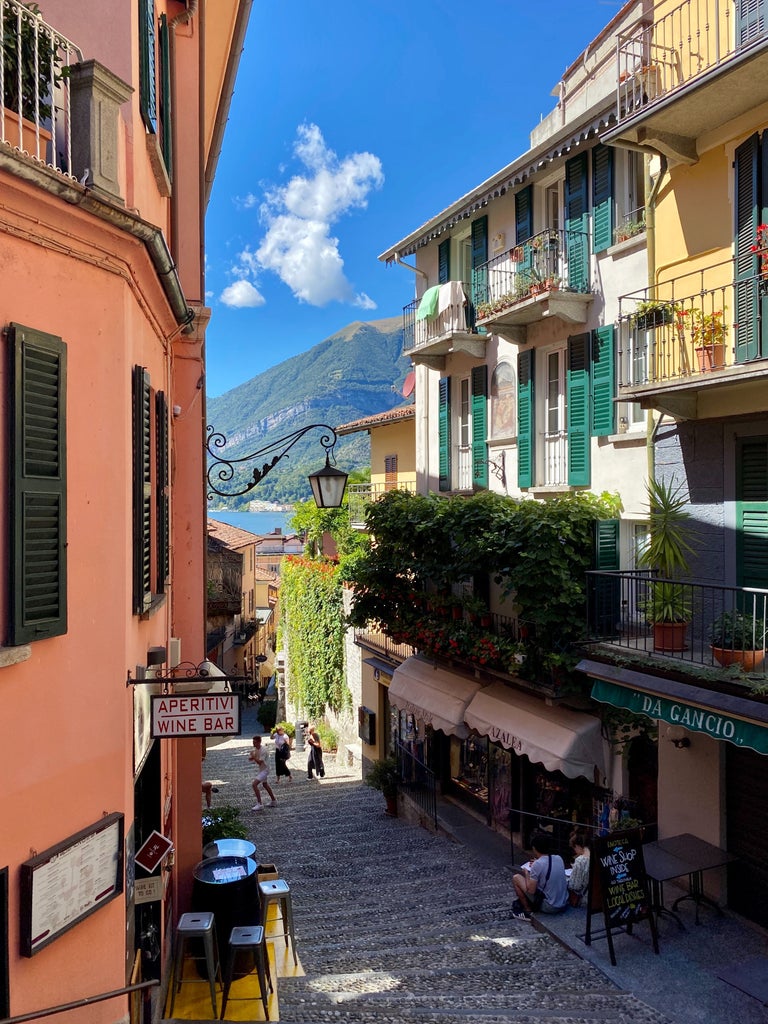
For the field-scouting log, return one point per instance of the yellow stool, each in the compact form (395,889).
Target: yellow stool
(242,940)
(278,891)
(196,926)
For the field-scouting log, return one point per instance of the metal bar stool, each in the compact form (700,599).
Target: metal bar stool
(248,939)
(196,926)
(277,891)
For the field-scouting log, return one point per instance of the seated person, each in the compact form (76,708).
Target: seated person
(578,883)
(541,886)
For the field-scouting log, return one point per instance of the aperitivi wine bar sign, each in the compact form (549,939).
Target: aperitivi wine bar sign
(207,714)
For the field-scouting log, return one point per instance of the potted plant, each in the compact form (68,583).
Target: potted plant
(708,336)
(668,604)
(384,775)
(652,313)
(629,229)
(738,638)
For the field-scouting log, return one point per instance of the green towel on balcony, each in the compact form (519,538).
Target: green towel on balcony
(428,305)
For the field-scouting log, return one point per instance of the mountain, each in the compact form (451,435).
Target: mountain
(356,372)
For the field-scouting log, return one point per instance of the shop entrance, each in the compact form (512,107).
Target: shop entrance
(747,832)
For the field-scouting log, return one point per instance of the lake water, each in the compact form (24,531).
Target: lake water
(254,522)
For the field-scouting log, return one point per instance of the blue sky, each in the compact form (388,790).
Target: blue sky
(352,123)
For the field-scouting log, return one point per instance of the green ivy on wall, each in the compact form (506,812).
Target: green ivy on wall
(313,630)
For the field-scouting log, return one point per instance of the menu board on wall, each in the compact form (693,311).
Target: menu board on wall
(69,881)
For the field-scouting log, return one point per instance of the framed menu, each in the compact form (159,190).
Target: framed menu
(69,881)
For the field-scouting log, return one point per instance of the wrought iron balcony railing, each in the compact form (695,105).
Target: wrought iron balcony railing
(630,225)
(454,314)
(703,321)
(361,495)
(675,44)
(700,624)
(35,95)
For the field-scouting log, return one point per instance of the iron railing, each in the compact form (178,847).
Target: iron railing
(704,320)
(455,314)
(417,782)
(378,640)
(362,495)
(703,624)
(35,94)
(673,45)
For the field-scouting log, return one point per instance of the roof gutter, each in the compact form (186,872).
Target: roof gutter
(408,266)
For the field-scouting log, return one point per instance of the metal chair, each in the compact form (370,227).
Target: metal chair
(196,926)
(248,940)
(277,891)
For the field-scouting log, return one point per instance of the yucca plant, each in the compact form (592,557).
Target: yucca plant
(667,552)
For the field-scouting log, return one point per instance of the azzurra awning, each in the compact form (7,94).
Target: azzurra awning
(562,740)
(435,696)
(719,715)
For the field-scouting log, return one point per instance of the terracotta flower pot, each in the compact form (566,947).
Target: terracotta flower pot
(749,660)
(669,636)
(710,357)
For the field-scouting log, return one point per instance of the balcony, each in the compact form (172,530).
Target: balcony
(618,605)
(685,345)
(441,322)
(545,277)
(35,85)
(687,69)
(361,496)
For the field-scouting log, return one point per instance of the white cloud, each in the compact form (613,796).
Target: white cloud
(298,245)
(241,294)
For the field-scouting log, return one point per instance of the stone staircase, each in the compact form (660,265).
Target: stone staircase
(395,924)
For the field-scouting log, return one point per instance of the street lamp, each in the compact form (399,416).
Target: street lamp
(327,484)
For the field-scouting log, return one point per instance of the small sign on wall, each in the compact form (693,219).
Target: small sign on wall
(148,890)
(153,851)
(209,714)
(366,725)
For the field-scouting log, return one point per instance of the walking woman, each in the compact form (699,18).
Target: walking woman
(262,771)
(282,753)
(315,754)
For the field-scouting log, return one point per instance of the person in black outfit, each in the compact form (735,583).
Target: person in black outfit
(314,754)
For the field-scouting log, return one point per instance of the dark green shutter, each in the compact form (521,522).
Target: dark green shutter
(577,392)
(576,223)
(752,512)
(602,382)
(147,64)
(444,432)
(602,197)
(747,203)
(526,419)
(750,20)
(479,426)
(161,495)
(479,240)
(38,482)
(604,592)
(142,492)
(523,215)
(444,262)
(165,96)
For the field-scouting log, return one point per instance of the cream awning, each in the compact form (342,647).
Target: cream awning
(435,696)
(561,740)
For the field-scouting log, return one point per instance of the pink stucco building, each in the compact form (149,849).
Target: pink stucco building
(102,329)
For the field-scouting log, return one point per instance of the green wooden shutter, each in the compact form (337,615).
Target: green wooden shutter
(750,20)
(479,240)
(576,223)
(526,419)
(602,393)
(161,494)
(523,215)
(38,486)
(747,204)
(577,392)
(605,591)
(602,197)
(142,492)
(165,96)
(479,426)
(147,64)
(752,512)
(444,432)
(444,262)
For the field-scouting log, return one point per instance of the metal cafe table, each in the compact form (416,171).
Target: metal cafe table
(685,854)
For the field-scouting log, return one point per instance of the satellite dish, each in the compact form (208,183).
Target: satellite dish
(409,383)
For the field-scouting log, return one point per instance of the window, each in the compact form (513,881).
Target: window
(555,420)
(38,486)
(147,65)
(151,524)
(390,472)
(503,390)
(155,90)
(552,199)
(464,436)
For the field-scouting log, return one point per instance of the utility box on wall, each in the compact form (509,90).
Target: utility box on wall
(366,725)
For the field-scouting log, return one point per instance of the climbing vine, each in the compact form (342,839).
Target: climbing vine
(313,632)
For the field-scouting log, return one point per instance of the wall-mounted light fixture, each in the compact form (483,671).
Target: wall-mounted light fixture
(327,484)
(677,737)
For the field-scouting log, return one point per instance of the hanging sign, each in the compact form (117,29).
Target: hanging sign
(208,714)
(153,851)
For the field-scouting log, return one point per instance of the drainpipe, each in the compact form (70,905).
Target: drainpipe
(652,191)
(408,266)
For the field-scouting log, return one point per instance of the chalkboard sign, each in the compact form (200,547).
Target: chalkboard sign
(618,885)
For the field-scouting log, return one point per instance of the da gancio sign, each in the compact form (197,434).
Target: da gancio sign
(175,716)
